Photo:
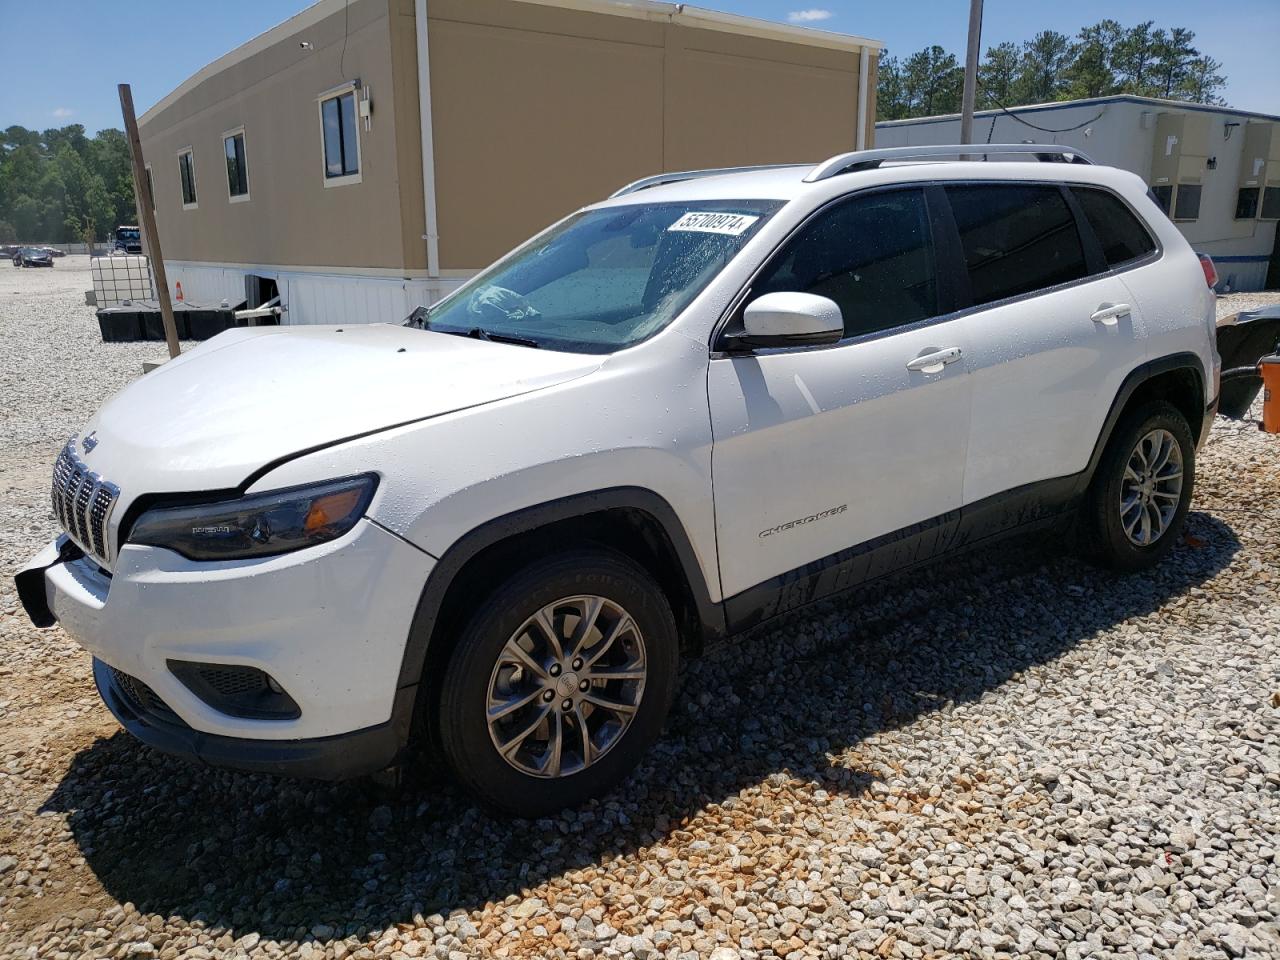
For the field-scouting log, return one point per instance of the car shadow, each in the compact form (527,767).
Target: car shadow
(295,860)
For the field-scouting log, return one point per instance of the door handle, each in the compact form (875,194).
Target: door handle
(1108,313)
(934,362)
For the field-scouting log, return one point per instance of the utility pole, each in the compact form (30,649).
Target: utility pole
(971,71)
(147,218)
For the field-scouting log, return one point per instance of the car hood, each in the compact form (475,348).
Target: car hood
(251,397)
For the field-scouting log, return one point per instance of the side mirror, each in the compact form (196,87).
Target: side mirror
(790,320)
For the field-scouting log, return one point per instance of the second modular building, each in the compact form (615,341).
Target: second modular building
(366,156)
(1213,169)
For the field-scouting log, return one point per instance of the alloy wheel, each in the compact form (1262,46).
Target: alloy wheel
(1151,488)
(566,686)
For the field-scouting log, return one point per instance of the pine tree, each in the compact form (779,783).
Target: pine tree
(997,74)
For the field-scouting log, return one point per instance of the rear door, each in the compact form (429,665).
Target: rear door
(1053,335)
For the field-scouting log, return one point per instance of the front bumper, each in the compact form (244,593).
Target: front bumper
(328,624)
(337,757)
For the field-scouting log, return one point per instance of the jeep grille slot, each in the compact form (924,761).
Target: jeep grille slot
(82,502)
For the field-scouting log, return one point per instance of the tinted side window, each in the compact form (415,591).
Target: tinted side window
(1122,235)
(1017,238)
(872,255)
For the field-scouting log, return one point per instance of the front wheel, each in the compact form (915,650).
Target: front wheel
(559,682)
(1139,497)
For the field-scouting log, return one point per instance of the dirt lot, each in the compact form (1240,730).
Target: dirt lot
(1012,754)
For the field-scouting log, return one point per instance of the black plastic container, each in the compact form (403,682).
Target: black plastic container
(205,322)
(153,325)
(1241,345)
(120,324)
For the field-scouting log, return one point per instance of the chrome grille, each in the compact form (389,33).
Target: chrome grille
(82,502)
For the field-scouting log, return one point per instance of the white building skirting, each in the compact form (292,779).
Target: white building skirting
(311,297)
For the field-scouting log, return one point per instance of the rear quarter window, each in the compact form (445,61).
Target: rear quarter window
(1121,234)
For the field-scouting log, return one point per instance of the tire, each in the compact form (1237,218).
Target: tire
(1140,535)
(483,671)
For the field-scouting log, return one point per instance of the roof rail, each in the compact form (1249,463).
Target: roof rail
(870,159)
(658,180)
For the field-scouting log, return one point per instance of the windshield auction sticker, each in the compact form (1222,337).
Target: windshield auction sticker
(729,224)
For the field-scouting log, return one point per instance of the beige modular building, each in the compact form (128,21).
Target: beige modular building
(366,156)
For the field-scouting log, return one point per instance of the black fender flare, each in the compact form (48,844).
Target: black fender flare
(1137,377)
(492,532)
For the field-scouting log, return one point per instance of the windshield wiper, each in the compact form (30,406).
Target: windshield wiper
(420,319)
(479,333)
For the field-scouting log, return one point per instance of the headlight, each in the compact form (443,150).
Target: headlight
(260,525)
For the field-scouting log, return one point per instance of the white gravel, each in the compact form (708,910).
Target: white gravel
(1231,303)
(1011,754)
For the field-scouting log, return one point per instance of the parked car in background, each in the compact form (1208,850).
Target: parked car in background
(693,407)
(127,239)
(55,251)
(33,257)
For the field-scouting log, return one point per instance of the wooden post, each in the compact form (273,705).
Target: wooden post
(147,218)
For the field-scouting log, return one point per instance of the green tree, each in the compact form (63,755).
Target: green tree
(890,101)
(26,219)
(1104,58)
(54,181)
(997,75)
(933,81)
(71,136)
(1202,81)
(1093,71)
(111,161)
(1135,59)
(1175,53)
(1046,59)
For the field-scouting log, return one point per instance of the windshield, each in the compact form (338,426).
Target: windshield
(127,234)
(604,279)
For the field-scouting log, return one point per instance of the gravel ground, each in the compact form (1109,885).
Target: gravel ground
(1011,754)
(1230,303)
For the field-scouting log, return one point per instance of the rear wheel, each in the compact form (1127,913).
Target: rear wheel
(1142,489)
(559,682)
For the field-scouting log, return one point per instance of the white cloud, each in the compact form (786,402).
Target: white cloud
(63,112)
(812,15)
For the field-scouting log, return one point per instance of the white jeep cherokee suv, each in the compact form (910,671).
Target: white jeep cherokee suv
(695,406)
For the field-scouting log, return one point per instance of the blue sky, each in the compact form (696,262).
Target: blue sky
(63,58)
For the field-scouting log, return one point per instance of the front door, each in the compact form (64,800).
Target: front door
(820,450)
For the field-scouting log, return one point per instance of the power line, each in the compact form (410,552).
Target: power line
(346,19)
(1005,110)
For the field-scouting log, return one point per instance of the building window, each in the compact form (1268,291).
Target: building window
(1247,203)
(151,188)
(1163,197)
(187,175)
(1270,204)
(237,170)
(1186,203)
(340,137)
